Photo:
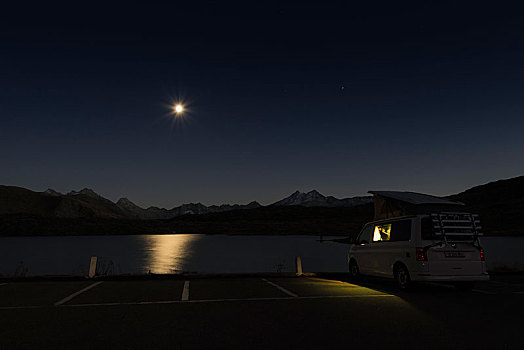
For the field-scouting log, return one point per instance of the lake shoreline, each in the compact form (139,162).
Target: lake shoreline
(339,237)
(200,254)
(177,233)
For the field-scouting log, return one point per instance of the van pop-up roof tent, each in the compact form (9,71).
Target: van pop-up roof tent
(390,204)
(447,217)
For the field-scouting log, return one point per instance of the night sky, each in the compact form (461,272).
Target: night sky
(424,96)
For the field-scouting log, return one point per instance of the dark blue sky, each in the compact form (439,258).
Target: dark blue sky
(432,99)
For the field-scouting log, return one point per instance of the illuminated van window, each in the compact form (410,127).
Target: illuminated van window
(382,233)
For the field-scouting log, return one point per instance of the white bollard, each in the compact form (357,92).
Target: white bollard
(299,266)
(92,267)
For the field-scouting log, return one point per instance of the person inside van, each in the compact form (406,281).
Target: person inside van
(382,233)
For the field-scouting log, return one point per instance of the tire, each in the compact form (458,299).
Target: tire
(354,272)
(402,277)
(464,286)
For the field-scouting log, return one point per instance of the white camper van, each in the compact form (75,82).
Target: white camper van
(440,247)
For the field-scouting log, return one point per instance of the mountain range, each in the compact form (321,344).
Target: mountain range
(82,204)
(315,199)
(87,203)
(24,212)
(154,213)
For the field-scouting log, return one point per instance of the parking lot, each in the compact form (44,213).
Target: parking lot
(258,312)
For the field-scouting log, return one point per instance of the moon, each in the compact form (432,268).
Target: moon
(179,109)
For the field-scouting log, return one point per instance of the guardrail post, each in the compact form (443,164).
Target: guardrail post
(92,267)
(299,266)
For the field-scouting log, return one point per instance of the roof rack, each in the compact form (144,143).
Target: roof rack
(456,224)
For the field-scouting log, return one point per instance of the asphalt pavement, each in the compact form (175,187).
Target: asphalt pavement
(259,312)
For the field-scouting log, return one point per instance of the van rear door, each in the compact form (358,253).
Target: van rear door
(457,256)
(457,259)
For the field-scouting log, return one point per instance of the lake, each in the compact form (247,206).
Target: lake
(139,254)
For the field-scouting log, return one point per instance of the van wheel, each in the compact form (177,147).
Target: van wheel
(402,277)
(464,286)
(354,272)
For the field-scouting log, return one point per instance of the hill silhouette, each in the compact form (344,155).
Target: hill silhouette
(51,204)
(500,205)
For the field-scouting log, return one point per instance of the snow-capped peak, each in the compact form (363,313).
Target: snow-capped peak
(86,192)
(316,199)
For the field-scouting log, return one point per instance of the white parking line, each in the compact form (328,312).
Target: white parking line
(280,288)
(66,299)
(482,291)
(232,300)
(507,284)
(22,307)
(204,301)
(185,292)
(3,284)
